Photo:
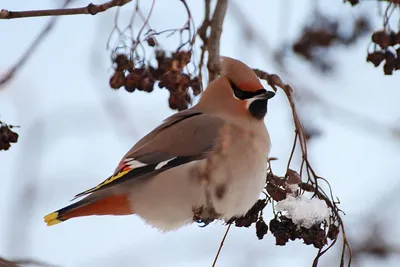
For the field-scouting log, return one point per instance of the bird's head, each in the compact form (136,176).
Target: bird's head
(237,92)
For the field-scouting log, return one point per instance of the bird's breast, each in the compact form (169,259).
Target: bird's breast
(241,176)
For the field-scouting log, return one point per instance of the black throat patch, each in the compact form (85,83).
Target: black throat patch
(258,108)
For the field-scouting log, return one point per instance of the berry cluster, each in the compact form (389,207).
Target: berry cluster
(284,229)
(251,216)
(169,73)
(254,215)
(7,136)
(387,42)
(322,34)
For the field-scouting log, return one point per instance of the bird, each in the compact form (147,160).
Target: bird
(203,163)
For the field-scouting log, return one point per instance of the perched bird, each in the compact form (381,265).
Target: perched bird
(207,162)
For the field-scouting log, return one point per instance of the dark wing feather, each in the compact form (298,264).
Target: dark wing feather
(183,137)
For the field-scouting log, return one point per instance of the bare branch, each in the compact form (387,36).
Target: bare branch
(221,245)
(18,263)
(90,9)
(214,40)
(202,32)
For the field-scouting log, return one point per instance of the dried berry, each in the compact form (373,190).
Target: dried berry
(171,80)
(388,68)
(117,80)
(251,216)
(398,37)
(261,228)
(333,232)
(275,192)
(147,84)
(293,177)
(392,38)
(376,58)
(196,85)
(7,136)
(381,38)
(307,187)
(122,62)
(177,101)
(184,82)
(151,41)
(273,225)
(397,63)
(353,2)
(183,57)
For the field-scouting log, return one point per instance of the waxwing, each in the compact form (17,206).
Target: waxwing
(207,162)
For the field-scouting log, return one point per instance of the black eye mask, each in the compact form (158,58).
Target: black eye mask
(243,95)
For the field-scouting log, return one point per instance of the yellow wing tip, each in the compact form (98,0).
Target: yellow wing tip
(52,219)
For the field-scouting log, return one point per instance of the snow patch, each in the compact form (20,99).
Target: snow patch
(303,211)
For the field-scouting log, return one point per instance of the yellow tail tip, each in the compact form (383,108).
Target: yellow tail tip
(52,219)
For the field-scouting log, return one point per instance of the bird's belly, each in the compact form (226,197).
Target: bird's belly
(167,200)
(242,184)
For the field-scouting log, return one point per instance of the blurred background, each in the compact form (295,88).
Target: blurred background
(75,128)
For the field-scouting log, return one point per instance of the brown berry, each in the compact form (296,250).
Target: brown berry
(376,58)
(151,41)
(122,62)
(184,82)
(261,228)
(173,101)
(117,80)
(12,137)
(388,67)
(392,38)
(381,38)
(147,84)
(333,232)
(397,63)
(398,37)
(131,82)
(160,55)
(196,85)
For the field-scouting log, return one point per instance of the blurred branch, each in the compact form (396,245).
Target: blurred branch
(221,245)
(202,32)
(20,262)
(90,9)
(213,43)
(32,48)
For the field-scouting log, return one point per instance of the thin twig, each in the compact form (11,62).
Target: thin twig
(90,9)
(202,33)
(221,245)
(213,44)
(19,262)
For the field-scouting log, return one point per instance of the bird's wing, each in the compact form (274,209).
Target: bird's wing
(181,138)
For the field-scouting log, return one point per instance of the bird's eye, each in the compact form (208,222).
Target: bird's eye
(238,92)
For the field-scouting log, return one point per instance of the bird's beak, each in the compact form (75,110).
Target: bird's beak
(267,95)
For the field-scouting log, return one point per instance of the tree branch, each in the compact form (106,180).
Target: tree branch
(214,40)
(90,9)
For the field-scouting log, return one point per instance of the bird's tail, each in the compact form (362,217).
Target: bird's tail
(109,205)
